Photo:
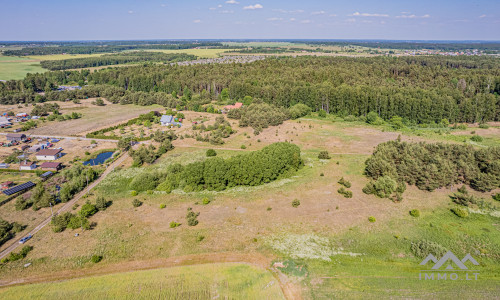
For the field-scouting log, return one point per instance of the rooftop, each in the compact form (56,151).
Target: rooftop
(49,152)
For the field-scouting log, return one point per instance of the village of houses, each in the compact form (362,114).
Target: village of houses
(27,157)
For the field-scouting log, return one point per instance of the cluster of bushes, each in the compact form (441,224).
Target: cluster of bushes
(8,230)
(60,118)
(17,256)
(39,197)
(259,116)
(215,173)
(384,187)
(149,154)
(79,220)
(252,169)
(345,184)
(431,166)
(299,110)
(423,248)
(45,109)
(76,179)
(192,217)
(220,130)
(324,155)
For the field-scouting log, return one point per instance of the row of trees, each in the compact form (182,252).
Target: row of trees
(115,59)
(432,166)
(120,46)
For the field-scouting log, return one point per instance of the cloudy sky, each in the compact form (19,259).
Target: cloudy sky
(250,19)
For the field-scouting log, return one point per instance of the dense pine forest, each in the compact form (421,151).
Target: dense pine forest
(418,89)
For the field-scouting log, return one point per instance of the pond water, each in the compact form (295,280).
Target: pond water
(101,158)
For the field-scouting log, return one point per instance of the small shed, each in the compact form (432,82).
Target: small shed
(51,166)
(16,137)
(48,154)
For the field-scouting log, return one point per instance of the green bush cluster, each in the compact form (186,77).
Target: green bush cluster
(174,224)
(460,212)
(346,193)
(211,153)
(69,220)
(299,110)
(17,256)
(344,182)
(372,219)
(8,230)
(254,168)
(431,166)
(415,213)
(296,203)
(259,115)
(95,258)
(424,247)
(476,138)
(136,203)
(192,217)
(324,155)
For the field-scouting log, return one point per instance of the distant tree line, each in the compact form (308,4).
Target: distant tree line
(115,59)
(90,49)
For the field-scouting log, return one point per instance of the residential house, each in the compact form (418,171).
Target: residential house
(27,166)
(16,137)
(51,166)
(6,185)
(168,120)
(49,154)
(4,122)
(227,108)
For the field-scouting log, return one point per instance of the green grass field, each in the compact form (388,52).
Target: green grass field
(209,281)
(201,53)
(17,68)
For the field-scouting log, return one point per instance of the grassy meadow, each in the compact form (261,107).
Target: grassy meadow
(209,281)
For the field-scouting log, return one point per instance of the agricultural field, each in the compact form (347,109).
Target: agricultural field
(17,68)
(93,117)
(208,281)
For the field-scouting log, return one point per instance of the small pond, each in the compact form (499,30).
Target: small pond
(101,158)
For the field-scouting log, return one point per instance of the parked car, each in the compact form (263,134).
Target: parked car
(25,239)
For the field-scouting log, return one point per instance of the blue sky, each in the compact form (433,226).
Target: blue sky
(249,19)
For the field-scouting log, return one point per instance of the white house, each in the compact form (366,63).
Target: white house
(48,154)
(27,166)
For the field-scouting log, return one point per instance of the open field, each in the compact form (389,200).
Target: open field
(202,53)
(17,68)
(94,117)
(208,281)
(245,220)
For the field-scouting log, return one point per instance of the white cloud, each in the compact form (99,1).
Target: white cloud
(227,11)
(232,2)
(256,6)
(219,6)
(482,16)
(275,19)
(305,21)
(321,12)
(130,11)
(333,15)
(196,21)
(358,14)
(212,8)
(163,5)
(293,19)
(413,17)
(351,20)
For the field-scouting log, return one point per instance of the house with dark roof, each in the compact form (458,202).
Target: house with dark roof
(51,166)
(49,154)
(16,137)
